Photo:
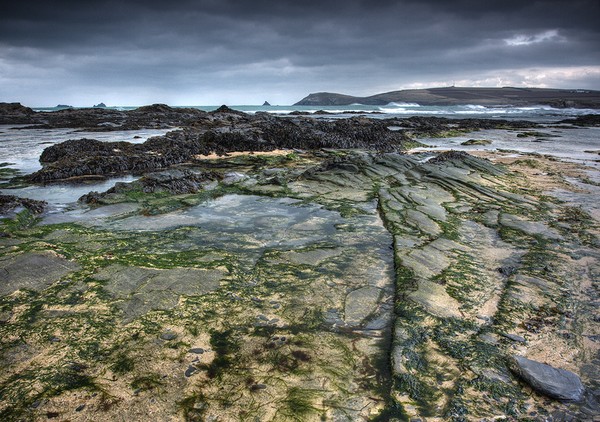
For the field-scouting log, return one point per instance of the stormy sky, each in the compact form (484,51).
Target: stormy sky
(205,52)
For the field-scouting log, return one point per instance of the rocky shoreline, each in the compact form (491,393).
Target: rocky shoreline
(344,278)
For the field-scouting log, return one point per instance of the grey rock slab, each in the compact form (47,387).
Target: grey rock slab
(435,299)
(552,382)
(423,222)
(147,289)
(529,227)
(314,257)
(361,303)
(141,303)
(529,281)
(36,271)
(123,280)
(426,262)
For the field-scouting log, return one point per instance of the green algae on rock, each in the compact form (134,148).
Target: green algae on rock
(354,286)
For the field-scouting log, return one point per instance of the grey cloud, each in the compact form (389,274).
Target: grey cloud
(274,46)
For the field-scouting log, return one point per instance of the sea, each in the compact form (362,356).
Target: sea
(20,147)
(534,113)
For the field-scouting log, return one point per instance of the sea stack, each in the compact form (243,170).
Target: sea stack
(266,104)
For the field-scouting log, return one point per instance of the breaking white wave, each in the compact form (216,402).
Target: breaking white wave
(393,104)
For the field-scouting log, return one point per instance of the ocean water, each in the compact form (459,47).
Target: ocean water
(535,113)
(577,145)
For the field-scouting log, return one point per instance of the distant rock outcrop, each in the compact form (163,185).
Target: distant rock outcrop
(101,105)
(448,96)
(266,104)
(155,116)
(63,106)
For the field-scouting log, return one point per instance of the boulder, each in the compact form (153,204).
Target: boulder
(552,382)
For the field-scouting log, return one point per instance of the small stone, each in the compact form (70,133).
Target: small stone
(196,350)
(36,404)
(514,337)
(506,271)
(168,335)
(256,387)
(190,371)
(80,408)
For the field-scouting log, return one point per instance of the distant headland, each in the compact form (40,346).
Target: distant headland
(448,96)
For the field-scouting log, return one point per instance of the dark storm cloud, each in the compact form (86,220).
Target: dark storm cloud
(186,50)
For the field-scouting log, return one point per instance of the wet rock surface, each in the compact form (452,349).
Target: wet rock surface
(323,284)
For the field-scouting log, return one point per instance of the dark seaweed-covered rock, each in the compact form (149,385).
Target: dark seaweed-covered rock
(552,382)
(227,110)
(226,131)
(15,113)
(449,156)
(432,126)
(175,182)
(101,119)
(586,120)
(10,202)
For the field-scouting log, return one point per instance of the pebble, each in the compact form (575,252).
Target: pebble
(190,371)
(196,350)
(80,408)
(168,335)
(256,387)
(515,337)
